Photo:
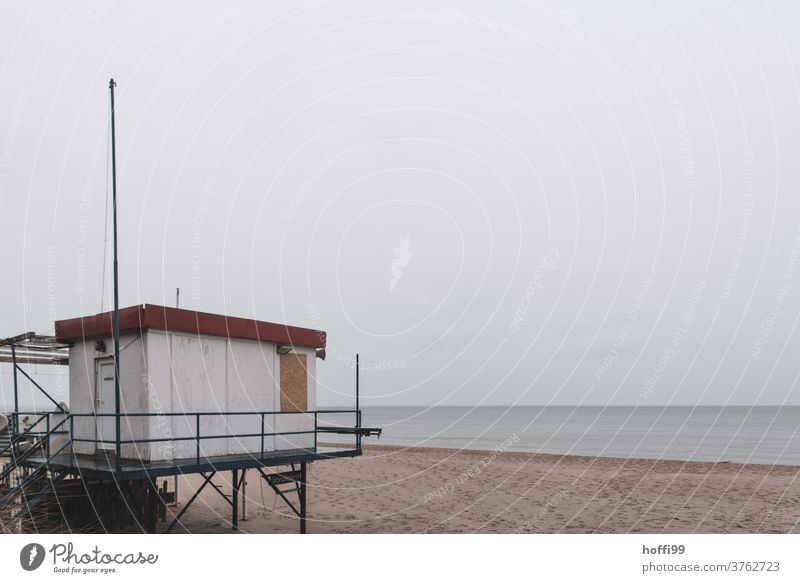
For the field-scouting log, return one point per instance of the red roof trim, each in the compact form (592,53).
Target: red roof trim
(155,317)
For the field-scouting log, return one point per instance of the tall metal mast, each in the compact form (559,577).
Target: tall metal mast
(111,85)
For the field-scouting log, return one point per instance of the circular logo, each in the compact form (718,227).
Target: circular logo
(31,556)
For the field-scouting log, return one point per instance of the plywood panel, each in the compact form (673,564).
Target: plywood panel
(294,382)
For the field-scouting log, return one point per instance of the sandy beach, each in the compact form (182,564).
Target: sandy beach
(426,490)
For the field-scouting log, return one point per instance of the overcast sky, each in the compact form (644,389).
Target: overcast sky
(494,203)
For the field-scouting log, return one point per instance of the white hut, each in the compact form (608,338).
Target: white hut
(234,382)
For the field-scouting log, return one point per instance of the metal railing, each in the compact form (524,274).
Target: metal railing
(34,435)
(191,430)
(40,443)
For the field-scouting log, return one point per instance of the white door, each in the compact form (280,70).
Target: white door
(105,403)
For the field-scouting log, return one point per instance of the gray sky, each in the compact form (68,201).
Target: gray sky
(495,204)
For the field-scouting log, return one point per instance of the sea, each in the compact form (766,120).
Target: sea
(759,435)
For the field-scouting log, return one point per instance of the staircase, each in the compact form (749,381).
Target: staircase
(5,439)
(26,478)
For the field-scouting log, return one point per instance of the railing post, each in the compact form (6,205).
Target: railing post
(14,422)
(316,428)
(15,428)
(358,404)
(197,435)
(358,371)
(71,436)
(16,387)
(47,434)
(262,436)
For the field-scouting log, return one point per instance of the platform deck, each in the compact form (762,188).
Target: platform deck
(102,467)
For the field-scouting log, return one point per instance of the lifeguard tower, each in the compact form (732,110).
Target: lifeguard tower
(197,393)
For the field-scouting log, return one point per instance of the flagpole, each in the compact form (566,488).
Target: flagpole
(111,85)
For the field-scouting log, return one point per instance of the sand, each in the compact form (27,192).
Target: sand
(426,490)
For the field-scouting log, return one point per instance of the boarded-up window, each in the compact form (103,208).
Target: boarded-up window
(294,382)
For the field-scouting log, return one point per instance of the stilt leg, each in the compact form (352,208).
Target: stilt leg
(152,506)
(235,499)
(206,480)
(244,494)
(302,494)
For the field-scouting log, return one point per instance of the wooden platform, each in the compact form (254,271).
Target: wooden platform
(102,467)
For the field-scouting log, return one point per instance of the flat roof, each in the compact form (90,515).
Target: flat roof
(152,317)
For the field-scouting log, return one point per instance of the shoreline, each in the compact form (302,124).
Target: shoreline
(423,448)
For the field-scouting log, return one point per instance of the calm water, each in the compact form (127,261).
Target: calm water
(764,435)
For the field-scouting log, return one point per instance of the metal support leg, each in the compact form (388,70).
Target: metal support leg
(235,499)
(302,494)
(221,493)
(192,499)
(152,506)
(244,494)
